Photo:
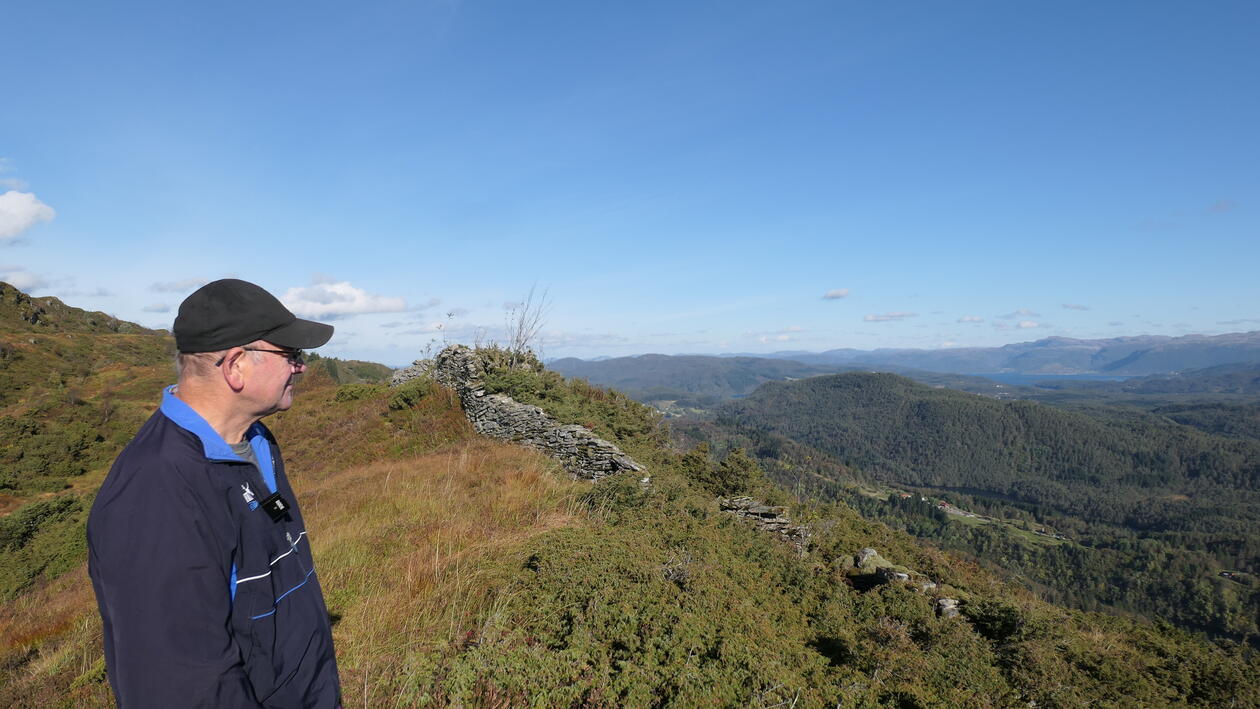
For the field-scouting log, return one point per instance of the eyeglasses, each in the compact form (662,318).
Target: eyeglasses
(297,358)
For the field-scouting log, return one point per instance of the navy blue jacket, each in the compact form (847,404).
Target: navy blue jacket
(206,601)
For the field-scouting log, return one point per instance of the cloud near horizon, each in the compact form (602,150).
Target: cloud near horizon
(1075,306)
(157,308)
(836,294)
(22,279)
(888,317)
(971,318)
(1021,313)
(20,211)
(334,299)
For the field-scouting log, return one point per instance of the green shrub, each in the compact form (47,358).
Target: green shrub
(354,392)
(41,538)
(409,393)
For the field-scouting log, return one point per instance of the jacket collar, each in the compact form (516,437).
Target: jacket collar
(215,448)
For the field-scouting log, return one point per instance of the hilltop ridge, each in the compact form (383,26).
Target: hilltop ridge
(1117,356)
(48,314)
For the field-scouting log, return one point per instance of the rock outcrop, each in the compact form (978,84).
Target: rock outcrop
(767,518)
(947,607)
(582,453)
(868,569)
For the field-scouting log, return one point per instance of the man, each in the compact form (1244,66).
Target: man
(196,548)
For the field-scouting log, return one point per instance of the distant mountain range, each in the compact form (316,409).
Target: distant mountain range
(1157,365)
(1120,356)
(699,380)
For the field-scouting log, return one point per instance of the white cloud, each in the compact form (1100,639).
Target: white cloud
(971,318)
(1021,325)
(327,299)
(20,211)
(774,338)
(22,279)
(836,294)
(888,317)
(1075,306)
(186,285)
(157,308)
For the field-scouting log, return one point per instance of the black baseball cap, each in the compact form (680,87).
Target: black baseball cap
(230,312)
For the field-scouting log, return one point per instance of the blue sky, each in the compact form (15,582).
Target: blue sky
(678,177)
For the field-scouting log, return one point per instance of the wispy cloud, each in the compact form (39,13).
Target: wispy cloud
(971,318)
(836,294)
(1222,205)
(94,293)
(784,337)
(157,308)
(1239,321)
(22,279)
(1021,325)
(12,183)
(888,317)
(20,211)
(1075,306)
(184,286)
(1021,313)
(334,299)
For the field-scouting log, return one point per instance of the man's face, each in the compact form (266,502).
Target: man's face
(271,378)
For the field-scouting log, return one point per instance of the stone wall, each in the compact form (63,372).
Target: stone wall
(767,519)
(581,452)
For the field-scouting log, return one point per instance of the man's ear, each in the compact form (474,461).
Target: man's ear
(231,368)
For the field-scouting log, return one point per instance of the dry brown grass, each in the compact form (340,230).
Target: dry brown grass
(408,552)
(50,647)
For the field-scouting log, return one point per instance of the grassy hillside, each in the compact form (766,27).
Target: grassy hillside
(460,571)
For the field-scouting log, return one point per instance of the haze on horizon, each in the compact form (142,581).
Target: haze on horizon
(735,177)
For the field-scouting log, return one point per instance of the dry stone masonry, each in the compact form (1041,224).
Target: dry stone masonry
(582,453)
(768,519)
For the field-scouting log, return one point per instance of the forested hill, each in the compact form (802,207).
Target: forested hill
(701,381)
(1239,378)
(1109,482)
(697,378)
(894,427)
